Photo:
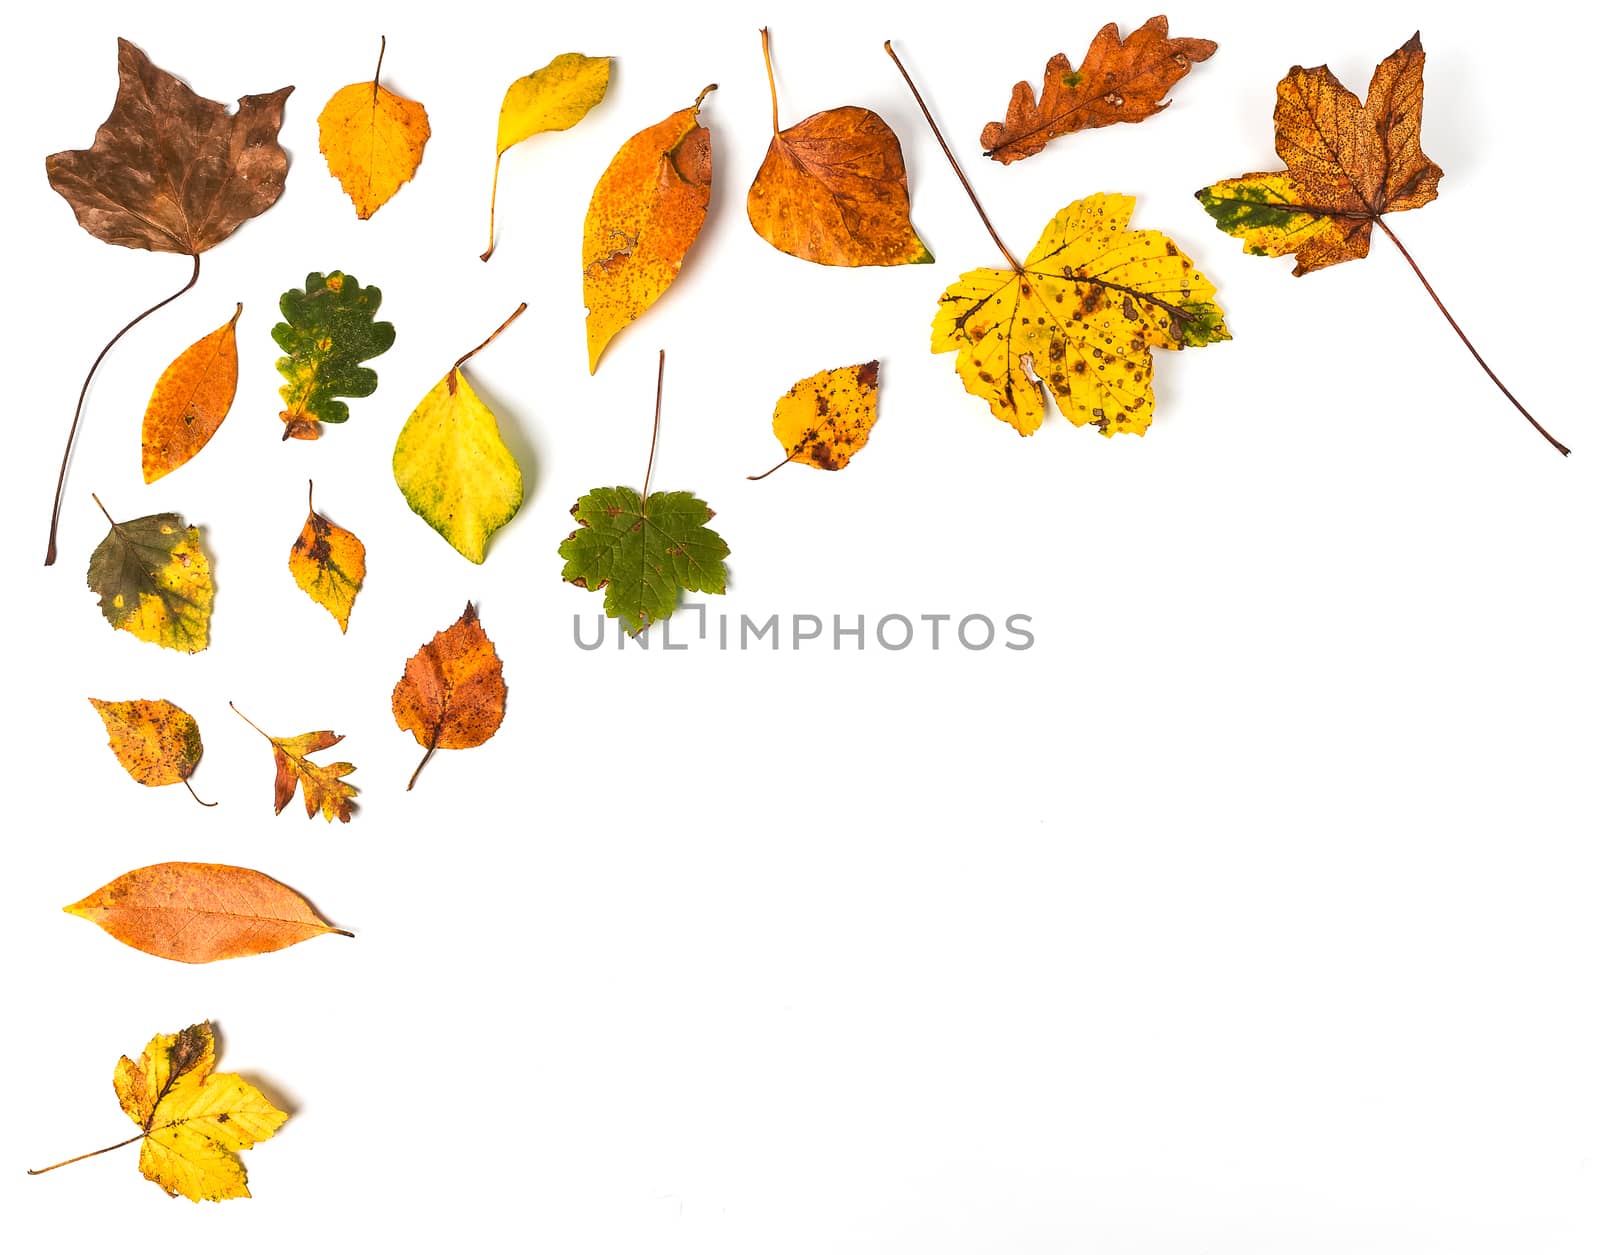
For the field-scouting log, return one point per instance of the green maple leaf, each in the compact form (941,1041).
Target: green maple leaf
(329,332)
(643,555)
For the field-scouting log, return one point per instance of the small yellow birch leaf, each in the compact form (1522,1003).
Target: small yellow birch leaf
(329,563)
(452,466)
(193,1122)
(555,98)
(825,419)
(373,140)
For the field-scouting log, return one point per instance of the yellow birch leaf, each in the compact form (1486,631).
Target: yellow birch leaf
(154,581)
(825,419)
(329,563)
(373,140)
(190,400)
(646,210)
(452,466)
(555,98)
(193,1122)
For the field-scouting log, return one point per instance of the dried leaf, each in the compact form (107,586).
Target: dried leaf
(1080,317)
(329,563)
(453,694)
(555,98)
(1348,163)
(646,210)
(833,189)
(322,786)
(373,140)
(170,170)
(329,331)
(190,400)
(154,581)
(156,742)
(452,466)
(1120,80)
(825,419)
(193,1122)
(201,912)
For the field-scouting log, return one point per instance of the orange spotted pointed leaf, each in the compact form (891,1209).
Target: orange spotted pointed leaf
(1119,80)
(323,786)
(646,211)
(202,912)
(190,400)
(328,563)
(156,742)
(193,1122)
(1348,164)
(372,139)
(453,693)
(832,189)
(825,419)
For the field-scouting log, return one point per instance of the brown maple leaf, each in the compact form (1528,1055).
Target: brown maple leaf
(1120,80)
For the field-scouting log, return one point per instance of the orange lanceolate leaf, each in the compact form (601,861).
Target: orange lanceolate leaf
(329,563)
(202,912)
(1120,80)
(833,189)
(323,786)
(646,211)
(1347,165)
(190,400)
(372,139)
(453,693)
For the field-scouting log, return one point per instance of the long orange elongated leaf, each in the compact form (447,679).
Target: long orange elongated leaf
(190,400)
(202,912)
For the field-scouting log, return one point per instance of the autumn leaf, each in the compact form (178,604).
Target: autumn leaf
(1347,165)
(322,786)
(328,563)
(452,466)
(646,210)
(202,912)
(190,400)
(169,171)
(453,694)
(1080,317)
(329,331)
(825,419)
(156,742)
(644,548)
(555,98)
(193,1122)
(373,140)
(833,189)
(154,580)
(1120,80)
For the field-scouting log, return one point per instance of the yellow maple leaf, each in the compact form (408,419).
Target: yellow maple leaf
(193,1122)
(1080,317)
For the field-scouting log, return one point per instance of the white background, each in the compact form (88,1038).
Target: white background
(1252,910)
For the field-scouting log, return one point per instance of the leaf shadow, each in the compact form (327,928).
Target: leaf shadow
(284,1102)
(519,440)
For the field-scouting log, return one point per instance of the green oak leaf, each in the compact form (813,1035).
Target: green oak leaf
(330,331)
(643,555)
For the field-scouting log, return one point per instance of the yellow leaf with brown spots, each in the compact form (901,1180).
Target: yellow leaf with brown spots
(190,400)
(322,785)
(154,581)
(329,564)
(1080,317)
(373,140)
(646,210)
(156,742)
(193,1122)
(825,419)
